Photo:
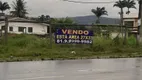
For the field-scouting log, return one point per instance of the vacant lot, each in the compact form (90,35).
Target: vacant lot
(28,47)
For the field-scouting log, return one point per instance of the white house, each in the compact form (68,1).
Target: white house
(21,25)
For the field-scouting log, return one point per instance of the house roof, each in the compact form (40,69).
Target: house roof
(23,20)
(19,19)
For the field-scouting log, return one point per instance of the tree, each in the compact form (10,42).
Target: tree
(47,17)
(120,4)
(130,4)
(19,7)
(4,6)
(99,12)
(43,18)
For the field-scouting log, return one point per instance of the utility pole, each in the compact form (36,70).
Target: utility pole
(6,30)
(50,30)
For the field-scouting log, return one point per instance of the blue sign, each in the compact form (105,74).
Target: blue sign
(69,36)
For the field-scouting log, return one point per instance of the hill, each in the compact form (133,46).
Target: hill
(91,19)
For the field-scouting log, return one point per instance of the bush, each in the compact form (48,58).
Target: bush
(117,40)
(98,48)
(101,43)
(3,49)
(131,40)
(23,40)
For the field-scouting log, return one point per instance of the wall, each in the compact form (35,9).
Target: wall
(37,28)
(135,21)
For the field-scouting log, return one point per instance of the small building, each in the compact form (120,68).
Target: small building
(130,21)
(22,25)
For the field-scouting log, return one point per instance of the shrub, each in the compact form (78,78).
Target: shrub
(117,40)
(3,49)
(99,48)
(131,40)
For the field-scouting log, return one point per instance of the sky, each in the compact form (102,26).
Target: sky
(60,8)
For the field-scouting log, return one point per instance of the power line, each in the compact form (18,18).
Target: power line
(83,2)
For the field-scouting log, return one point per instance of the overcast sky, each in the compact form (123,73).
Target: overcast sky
(60,8)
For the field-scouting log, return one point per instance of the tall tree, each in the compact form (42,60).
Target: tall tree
(99,12)
(130,4)
(120,4)
(19,7)
(4,6)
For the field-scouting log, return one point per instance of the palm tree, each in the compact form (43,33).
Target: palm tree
(19,7)
(130,4)
(99,12)
(4,6)
(120,4)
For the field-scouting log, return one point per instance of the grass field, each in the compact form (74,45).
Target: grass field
(28,48)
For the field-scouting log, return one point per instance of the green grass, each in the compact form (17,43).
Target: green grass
(29,47)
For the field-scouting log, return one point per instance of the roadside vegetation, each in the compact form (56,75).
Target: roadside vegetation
(29,47)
